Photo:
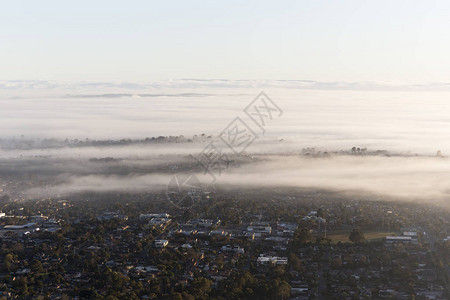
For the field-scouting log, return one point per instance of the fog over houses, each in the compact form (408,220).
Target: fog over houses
(197,150)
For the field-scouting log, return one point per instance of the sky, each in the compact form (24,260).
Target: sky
(355,41)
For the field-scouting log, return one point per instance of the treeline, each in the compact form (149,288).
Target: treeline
(26,144)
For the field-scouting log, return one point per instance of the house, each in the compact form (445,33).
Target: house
(219,232)
(299,289)
(274,260)
(161,243)
(19,227)
(186,246)
(23,271)
(144,217)
(111,264)
(236,249)
(259,227)
(157,221)
(249,235)
(207,223)
(93,248)
(38,218)
(387,293)
(149,269)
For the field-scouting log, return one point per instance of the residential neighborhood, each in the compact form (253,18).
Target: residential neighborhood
(297,249)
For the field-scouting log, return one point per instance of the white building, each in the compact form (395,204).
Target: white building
(144,217)
(400,239)
(274,260)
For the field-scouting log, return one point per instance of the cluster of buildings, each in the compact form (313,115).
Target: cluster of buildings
(145,247)
(29,225)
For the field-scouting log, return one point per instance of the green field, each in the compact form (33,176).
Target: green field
(342,235)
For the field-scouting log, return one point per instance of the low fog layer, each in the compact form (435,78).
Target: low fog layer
(406,178)
(381,116)
(329,117)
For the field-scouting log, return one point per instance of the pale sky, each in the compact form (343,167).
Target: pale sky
(394,41)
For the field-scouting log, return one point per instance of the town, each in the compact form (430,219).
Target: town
(215,150)
(239,244)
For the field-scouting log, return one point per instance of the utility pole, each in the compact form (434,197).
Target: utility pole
(389,219)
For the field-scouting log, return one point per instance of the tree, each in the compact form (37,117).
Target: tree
(36,266)
(320,213)
(303,236)
(295,262)
(356,236)
(279,289)
(8,262)
(201,287)
(283,290)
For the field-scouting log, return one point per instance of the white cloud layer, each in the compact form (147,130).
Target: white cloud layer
(328,116)
(416,121)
